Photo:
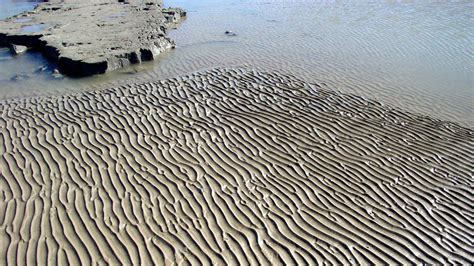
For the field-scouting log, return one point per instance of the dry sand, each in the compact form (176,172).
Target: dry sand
(231,166)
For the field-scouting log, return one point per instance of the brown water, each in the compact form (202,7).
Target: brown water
(417,56)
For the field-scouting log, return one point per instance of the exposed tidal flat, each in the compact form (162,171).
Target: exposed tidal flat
(231,166)
(264,145)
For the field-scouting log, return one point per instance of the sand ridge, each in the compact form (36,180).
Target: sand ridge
(231,166)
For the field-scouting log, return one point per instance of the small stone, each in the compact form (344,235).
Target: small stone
(18,49)
(19,77)
(230,33)
(57,74)
(41,69)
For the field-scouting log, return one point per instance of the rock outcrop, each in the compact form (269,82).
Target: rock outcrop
(94,36)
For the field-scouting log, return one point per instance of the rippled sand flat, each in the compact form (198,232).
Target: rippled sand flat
(231,166)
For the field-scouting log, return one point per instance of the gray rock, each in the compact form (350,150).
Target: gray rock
(41,69)
(88,37)
(174,15)
(230,33)
(57,75)
(18,49)
(19,77)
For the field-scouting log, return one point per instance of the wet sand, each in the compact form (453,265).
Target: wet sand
(231,166)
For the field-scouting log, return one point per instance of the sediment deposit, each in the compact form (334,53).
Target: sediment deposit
(231,166)
(94,36)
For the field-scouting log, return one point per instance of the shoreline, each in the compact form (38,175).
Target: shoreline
(137,81)
(231,165)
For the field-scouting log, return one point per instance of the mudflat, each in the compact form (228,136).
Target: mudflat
(231,166)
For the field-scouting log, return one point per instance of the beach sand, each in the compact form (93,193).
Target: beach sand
(231,166)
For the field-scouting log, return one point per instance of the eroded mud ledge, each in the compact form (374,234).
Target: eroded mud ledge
(94,36)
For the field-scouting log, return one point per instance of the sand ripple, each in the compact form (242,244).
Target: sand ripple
(231,166)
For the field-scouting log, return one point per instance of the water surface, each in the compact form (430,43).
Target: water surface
(9,8)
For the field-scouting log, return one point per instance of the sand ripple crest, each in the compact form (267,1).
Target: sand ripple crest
(231,166)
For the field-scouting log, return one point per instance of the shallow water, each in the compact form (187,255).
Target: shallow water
(33,28)
(417,56)
(11,7)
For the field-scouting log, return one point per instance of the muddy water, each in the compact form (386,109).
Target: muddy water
(417,56)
